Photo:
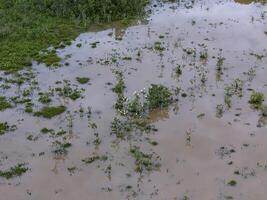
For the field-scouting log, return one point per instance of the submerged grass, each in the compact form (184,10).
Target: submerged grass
(4,104)
(158,96)
(29,26)
(49,112)
(15,171)
(256,99)
(5,127)
(143,161)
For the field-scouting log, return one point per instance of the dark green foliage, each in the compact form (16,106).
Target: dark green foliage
(61,148)
(92,159)
(4,103)
(144,161)
(68,92)
(44,98)
(126,127)
(232,183)
(17,170)
(83,80)
(49,112)
(120,85)
(158,46)
(256,99)
(158,96)
(5,127)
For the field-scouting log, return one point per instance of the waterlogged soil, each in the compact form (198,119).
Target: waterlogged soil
(206,144)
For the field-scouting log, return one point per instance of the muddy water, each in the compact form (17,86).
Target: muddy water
(199,150)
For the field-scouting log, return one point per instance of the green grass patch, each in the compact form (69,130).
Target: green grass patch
(143,161)
(49,112)
(256,99)
(15,171)
(83,80)
(5,127)
(4,104)
(158,96)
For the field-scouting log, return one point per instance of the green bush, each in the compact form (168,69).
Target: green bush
(158,96)
(256,99)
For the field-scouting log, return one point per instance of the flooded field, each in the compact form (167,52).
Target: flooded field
(170,108)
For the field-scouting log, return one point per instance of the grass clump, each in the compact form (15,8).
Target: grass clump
(158,47)
(4,104)
(49,112)
(5,127)
(144,162)
(68,92)
(256,99)
(158,96)
(178,70)
(232,183)
(61,148)
(15,171)
(92,159)
(119,90)
(83,80)
(50,58)
(120,85)
(44,98)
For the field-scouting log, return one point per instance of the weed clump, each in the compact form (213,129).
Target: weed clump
(83,80)
(92,159)
(4,104)
(120,85)
(232,183)
(178,70)
(48,58)
(119,90)
(68,92)
(44,98)
(158,47)
(15,171)
(61,148)
(144,162)
(49,112)
(256,99)
(5,127)
(158,96)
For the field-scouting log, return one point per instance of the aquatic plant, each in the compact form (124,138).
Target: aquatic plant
(158,46)
(5,127)
(92,159)
(69,92)
(15,171)
(44,97)
(4,104)
(61,148)
(120,85)
(83,80)
(49,112)
(178,70)
(158,96)
(256,99)
(143,161)
(232,183)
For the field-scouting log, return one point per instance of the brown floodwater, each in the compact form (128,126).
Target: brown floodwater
(200,150)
